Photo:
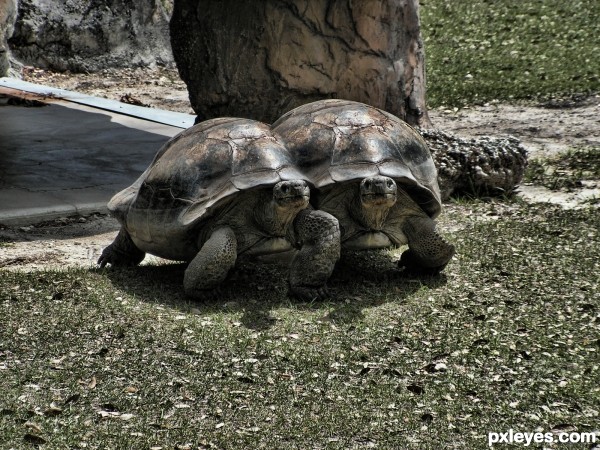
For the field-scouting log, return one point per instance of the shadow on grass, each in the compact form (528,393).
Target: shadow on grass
(361,280)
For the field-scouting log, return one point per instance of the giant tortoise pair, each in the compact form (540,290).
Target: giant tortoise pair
(229,187)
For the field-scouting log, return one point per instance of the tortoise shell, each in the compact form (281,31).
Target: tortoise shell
(336,141)
(194,173)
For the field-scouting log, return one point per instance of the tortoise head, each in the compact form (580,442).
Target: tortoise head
(291,194)
(378,192)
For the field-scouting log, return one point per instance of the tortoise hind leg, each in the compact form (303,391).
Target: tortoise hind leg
(319,233)
(428,252)
(122,252)
(211,265)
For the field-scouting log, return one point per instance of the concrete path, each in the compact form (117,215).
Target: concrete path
(73,154)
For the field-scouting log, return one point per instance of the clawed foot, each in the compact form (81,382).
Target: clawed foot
(310,293)
(115,257)
(412,265)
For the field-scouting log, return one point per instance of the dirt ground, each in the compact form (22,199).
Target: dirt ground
(544,130)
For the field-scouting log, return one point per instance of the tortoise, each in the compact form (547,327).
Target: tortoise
(375,174)
(224,188)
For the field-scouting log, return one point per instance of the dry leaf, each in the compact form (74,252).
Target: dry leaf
(53,410)
(440,367)
(33,427)
(57,361)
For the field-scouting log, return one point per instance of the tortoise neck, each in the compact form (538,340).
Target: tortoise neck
(273,218)
(371,215)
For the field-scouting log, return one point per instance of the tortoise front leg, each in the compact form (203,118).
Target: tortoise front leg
(428,253)
(319,235)
(211,265)
(122,252)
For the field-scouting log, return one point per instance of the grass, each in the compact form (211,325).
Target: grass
(568,170)
(479,51)
(507,338)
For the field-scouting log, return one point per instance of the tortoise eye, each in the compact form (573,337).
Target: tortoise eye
(390,183)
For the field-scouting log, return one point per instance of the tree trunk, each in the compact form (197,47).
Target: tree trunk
(259,59)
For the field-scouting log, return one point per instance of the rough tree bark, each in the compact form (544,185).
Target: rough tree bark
(259,59)
(8,15)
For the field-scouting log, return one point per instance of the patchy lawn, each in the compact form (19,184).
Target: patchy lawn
(569,170)
(507,338)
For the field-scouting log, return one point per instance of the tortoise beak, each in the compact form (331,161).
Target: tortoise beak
(378,191)
(295,192)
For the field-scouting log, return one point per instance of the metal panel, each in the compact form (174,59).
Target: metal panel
(175,119)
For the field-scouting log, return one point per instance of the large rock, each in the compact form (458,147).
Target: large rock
(476,166)
(90,35)
(259,59)
(8,15)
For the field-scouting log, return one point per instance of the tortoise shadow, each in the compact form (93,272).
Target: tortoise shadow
(359,282)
